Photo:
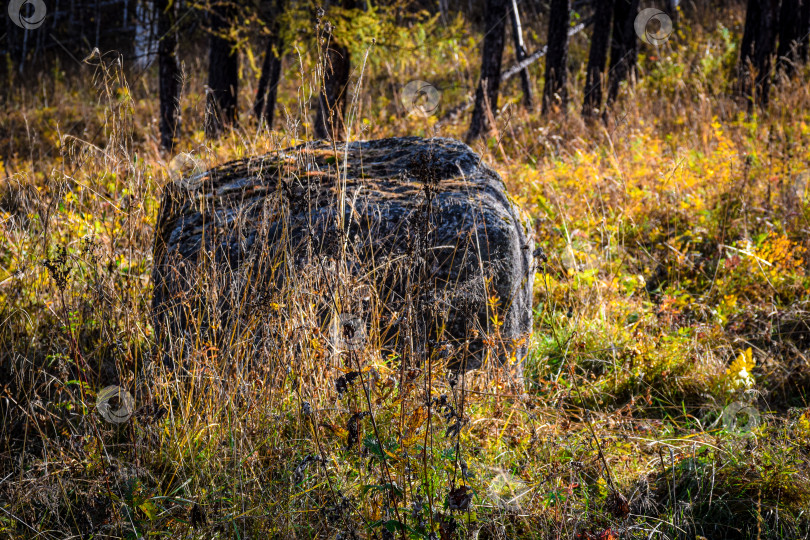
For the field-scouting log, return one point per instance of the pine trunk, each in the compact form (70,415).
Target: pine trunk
(789,36)
(486,95)
(758,44)
(623,46)
(804,32)
(597,58)
(169,73)
(520,55)
(265,105)
(223,72)
(329,121)
(554,91)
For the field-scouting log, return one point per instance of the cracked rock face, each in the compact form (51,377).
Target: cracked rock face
(416,231)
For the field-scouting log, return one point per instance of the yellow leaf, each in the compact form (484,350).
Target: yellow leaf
(149,509)
(416,419)
(740,363)
(740,368)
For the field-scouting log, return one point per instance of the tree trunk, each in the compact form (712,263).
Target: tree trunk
(758,43)
(555,93)
(804,32)
(332,102)
(597,57)
(672,10)
(145,12)
(265,104)
(169,73)
(747,43)
(223,71)
(789,36)
(329,121)
(623,46)
(520,55)
(486,95)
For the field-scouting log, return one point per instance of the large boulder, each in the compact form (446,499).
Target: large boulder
(417,231)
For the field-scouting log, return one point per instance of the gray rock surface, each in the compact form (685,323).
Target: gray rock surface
(428,233)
